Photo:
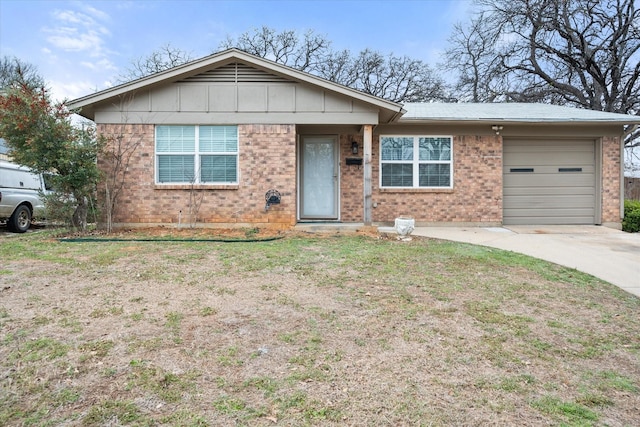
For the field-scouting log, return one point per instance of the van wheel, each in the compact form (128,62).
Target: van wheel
(20,221)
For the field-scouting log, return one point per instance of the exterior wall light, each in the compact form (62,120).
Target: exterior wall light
(354,147)
(497,129)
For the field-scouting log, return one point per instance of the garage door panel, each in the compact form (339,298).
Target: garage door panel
(549,181)
(558,213)
(564,202)
(534,144)
(549,158)
(565,168)
(551,191)
(549,220)
(579,150)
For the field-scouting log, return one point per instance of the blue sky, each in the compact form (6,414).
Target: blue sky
(82,46)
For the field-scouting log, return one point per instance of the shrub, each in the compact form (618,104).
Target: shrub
(631,220)
(59,208)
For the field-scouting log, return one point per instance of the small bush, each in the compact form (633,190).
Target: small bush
(59,208)
(631,221)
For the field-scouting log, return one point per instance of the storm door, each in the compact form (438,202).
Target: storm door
(319,178)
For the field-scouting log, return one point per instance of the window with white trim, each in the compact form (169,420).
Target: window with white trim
(416,162)
(197,154)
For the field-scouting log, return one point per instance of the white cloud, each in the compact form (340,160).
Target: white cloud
(68,16)
(97,13)
(103,64)
(71,90)
(77,50)
(79,32)
(460,11)
(71,40)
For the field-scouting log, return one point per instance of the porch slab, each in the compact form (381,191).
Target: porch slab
(331,227)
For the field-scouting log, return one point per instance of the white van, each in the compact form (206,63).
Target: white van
(20,201)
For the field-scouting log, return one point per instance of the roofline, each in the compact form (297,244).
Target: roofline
(234,53)
(545,114)
(466,120)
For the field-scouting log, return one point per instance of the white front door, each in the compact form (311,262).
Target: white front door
(319,177)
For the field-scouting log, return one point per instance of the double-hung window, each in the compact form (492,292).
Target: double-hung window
(197,154)
(416,162)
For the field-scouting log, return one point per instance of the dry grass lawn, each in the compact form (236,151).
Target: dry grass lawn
(335,330)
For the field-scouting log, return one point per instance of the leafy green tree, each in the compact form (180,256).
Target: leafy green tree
(41,136)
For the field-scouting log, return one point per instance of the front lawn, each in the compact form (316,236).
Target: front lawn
(308,330)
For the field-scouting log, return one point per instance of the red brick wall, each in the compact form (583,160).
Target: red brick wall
(611,180)
(267,160)
(351,181)
(476,196)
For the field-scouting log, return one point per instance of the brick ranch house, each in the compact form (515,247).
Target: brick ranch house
(232,126)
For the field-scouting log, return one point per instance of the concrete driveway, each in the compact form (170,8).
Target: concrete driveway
(608,254)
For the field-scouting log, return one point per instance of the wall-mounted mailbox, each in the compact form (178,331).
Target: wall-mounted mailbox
(272,198)
(354,161)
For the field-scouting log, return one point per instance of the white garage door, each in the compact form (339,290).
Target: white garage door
(549,182)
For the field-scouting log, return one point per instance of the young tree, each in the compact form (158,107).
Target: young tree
(41,136)
(116,151)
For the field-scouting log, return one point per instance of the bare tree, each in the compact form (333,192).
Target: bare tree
(338,67)
(306,52)
(195,202)
(472,53)
(583,53)
(14,72)
(632,159)
(161,59)
(117,149)
(398,79)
